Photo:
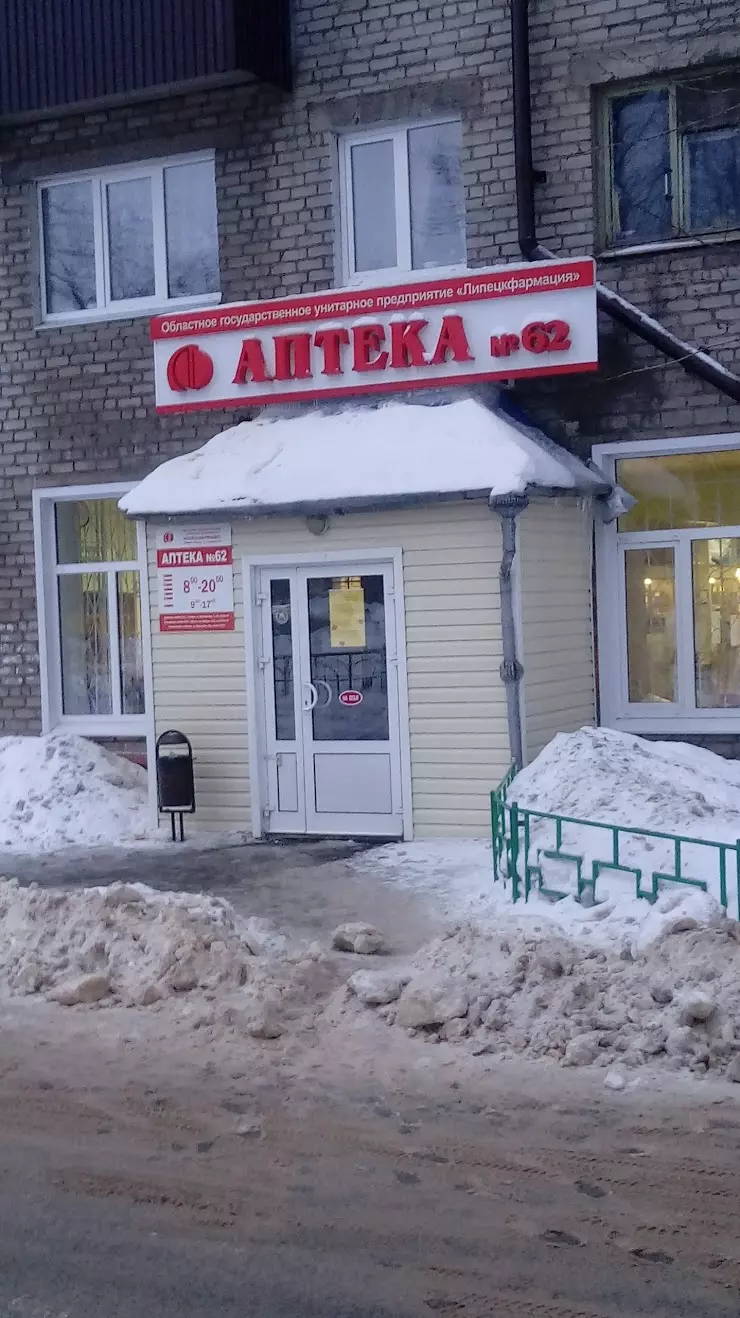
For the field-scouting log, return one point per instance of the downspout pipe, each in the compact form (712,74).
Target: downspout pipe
(693,360)
(509,507)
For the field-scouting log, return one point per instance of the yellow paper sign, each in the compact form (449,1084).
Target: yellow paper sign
(347,619)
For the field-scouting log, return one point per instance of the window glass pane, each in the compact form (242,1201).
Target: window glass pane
(130,643)
(712,177)
(374,206)
(94,531)
(716,584)
(192,230)
(641,165)
(437,198)
(708,101)
(651,624)
(69,247)
(681,490)
(346,622)
(282,660)
(130,239)
(83,618)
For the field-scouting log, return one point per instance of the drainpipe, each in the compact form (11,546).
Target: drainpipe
(693,360)
(508,507)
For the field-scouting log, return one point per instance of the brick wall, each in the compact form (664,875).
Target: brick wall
(76,403)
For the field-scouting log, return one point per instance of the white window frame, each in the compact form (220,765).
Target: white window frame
(397,133)
(611,618)
(47,597)
(107,308)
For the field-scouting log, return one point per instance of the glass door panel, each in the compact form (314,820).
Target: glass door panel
(281,621)
(348,658)
(715,570)
(650,587)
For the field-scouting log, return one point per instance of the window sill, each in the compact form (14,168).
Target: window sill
(135,725)
(381,278)
(129,313)
(720,722)
(670,245)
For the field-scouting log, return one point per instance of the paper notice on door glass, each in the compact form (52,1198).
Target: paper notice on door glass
(347,619)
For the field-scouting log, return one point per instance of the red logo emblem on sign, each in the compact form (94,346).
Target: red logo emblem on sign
(189,368)
(350,697)
(169,537)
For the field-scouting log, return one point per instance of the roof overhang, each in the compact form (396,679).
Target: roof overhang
(362,458)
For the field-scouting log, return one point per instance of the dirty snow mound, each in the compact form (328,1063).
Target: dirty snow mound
(126,942)
(609,776)
(62,790)
(674,1002)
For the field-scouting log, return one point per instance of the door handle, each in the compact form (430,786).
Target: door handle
(321,681)
(310,697)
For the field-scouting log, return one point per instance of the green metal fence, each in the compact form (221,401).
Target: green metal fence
(518,854)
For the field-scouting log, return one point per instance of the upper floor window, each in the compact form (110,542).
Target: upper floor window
(128,239)
(673,158)
(403,205)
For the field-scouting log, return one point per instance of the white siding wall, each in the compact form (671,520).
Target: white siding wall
(556,620)
(457,709)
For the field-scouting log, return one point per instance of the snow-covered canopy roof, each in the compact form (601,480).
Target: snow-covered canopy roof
(326,461)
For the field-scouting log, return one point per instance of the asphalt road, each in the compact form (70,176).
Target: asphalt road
(144,1203)
(83,1259)
(151,1168)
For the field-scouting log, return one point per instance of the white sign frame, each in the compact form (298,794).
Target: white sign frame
(501,323)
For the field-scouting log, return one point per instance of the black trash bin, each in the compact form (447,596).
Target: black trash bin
(175,778)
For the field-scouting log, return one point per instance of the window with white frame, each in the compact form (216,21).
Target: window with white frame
(403,203)
(672,157)
(669,590)
(128,239)
(90,565)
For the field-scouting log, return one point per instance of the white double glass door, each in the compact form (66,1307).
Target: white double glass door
(327,665)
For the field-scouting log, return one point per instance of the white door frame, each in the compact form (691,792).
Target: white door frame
(252,564)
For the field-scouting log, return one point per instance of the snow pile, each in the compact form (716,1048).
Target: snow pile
(599,774)
(62,790)
(360,453)
(138,945)
(675,1002)
(127,945)
(611,777)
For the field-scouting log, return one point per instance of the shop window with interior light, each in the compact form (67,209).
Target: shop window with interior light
(670,649)
(90,565)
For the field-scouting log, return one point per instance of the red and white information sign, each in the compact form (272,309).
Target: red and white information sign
(510,321)
(196,578)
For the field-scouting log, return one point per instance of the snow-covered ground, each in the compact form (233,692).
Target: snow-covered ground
(63,790)
(611,777)
(618,982)
(606,777)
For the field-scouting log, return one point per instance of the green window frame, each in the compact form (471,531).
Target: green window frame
(670,159)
